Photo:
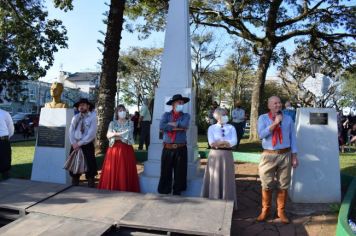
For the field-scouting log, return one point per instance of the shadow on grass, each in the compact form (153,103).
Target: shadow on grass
(350,170)
(254,147)
(24,144)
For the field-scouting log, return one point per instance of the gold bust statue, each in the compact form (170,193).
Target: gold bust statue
(56,92)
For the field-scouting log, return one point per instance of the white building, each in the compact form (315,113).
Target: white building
(86,82)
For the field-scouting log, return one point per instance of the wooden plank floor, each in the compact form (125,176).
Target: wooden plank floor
(16,195)
(154,212)
(36,224)
(90,204)
(185,215)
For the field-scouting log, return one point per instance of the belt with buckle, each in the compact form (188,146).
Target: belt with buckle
(279,151)
(4,138)
(174,145)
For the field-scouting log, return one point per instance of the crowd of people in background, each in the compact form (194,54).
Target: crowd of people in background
(346,124)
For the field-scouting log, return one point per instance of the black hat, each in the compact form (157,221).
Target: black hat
(176,98)
(84,100)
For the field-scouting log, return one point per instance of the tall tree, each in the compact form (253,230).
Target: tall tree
(303,63)
(348,88)
(109,68)
(240,64)
(266,25)
(206,50)
(28,41)
(139,71)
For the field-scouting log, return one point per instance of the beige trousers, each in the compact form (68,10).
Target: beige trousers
(275,166)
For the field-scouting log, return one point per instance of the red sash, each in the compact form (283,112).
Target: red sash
(172,134)
(277,132)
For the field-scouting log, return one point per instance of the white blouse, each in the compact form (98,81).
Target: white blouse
(219,132)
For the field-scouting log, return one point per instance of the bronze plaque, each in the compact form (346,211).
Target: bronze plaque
(318,118)
(51,136)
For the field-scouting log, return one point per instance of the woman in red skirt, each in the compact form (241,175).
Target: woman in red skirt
(119,168)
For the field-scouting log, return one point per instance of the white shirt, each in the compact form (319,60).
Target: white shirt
(90,127)
(6,124)
(215,133)
(145,113)
(238,115)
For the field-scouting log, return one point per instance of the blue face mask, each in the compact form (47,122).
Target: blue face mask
(224,119)
(179,108)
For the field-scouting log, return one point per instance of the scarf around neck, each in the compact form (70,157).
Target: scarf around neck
(172,134)
(277,132)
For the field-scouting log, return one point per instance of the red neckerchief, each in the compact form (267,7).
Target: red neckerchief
(277,132)
(172,134)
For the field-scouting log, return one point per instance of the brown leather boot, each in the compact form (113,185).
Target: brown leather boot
(282,197)
(266,204)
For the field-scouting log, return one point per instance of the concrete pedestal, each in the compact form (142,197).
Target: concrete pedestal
(176,78)
(317,178)
(48,161)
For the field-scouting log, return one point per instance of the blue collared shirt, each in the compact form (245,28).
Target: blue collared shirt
(288,133)
(182,122)
(290,112)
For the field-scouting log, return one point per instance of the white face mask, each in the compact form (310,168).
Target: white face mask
(179,108)
(122,114)
(224,119)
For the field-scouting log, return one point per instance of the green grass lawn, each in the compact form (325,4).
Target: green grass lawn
(23,152)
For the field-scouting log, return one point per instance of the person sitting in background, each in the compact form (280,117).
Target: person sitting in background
(219,176)
(119,170)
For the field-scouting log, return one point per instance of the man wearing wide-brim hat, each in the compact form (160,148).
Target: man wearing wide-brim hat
(82,133)
(174,157)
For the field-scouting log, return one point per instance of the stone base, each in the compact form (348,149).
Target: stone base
(48,161)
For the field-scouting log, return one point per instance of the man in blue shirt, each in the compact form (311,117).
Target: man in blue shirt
(289,110)
(279,155)
(174,154)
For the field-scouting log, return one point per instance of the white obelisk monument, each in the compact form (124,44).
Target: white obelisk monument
(176,78)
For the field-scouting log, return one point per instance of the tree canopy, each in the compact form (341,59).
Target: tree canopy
(28,40)
(320,24)
(139,71)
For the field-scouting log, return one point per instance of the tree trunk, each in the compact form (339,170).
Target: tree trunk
(234,95)
(257,92)
(107,89)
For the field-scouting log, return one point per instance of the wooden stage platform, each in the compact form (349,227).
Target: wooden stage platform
(54,209)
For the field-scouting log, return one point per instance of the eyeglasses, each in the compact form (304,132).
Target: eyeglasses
(223,131)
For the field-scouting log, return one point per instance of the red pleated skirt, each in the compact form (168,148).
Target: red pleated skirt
(119,170)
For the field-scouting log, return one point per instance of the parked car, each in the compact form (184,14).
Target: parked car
(19,116)
(23,120)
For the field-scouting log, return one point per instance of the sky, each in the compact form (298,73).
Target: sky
(83,24)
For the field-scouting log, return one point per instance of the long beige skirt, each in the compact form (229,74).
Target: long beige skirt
(219,176)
